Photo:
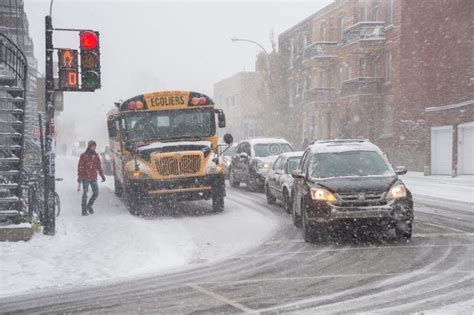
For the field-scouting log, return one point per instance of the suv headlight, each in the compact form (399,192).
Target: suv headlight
(321,194)
(397,191)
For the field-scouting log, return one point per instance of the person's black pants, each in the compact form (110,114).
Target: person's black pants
(95,193)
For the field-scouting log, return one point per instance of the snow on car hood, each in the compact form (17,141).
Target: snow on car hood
(357,184)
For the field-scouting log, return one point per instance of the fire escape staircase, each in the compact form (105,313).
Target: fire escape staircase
(13,80)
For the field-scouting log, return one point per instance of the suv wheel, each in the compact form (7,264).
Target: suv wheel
(232,181)
(252,183)
(270,199)
(403,235)
(286,201)
(296,217)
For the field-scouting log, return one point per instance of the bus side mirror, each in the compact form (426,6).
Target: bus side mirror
(220,118)
(228,139)
(112,129)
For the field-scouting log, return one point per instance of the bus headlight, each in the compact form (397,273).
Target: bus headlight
(139,175)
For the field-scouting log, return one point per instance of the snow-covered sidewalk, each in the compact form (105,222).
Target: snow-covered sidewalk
(114,245)
(458,189)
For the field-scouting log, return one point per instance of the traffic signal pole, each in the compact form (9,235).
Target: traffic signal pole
(49,157)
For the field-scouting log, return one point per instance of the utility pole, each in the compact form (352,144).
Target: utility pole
(49,158)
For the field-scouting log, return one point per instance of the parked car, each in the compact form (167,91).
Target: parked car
(253,159)
(279,180)
(226,157)
(349,181)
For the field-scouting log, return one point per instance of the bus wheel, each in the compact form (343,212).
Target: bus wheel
(133,203)
(118,187)
(218,198)
(218,203)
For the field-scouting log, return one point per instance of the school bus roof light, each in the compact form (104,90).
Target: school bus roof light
(202,100)
(195,101)
(131,105)
(139,105)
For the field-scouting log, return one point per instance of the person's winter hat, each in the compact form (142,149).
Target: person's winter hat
(91,143)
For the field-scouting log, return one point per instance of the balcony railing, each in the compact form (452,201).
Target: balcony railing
(320,50)
(319,95)
(360,86)
(363,31)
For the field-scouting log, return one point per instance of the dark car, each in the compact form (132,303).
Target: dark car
(347,181)
(279,180)
(253,159)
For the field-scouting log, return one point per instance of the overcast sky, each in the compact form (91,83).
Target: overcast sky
(155,45)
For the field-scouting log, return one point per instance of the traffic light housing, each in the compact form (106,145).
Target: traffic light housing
(90,60)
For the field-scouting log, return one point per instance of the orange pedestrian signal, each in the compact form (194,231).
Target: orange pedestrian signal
(68,69)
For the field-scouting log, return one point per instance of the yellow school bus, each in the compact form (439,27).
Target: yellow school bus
(164,147)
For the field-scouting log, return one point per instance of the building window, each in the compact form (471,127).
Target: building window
(389,18)
(331,31)
(387,119)
(292,53)
(375,13)
(362,67)
(363,14)
(322,33)
(341,27)
(388,66)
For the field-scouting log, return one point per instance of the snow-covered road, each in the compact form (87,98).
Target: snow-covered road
(113,245)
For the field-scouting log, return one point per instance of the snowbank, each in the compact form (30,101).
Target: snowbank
(441,187)
(113,245)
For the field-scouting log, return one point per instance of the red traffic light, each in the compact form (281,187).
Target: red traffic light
(89,40)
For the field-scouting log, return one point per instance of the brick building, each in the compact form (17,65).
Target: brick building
(239,97)
(374,68)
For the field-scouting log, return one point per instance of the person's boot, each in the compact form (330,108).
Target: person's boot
(91,210)
(84,212)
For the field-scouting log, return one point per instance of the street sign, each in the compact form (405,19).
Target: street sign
(68,69)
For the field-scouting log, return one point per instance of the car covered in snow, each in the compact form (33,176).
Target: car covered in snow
(253,159)
(279,180)
(346,182)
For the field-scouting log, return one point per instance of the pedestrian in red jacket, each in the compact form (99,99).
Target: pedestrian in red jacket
(89,166)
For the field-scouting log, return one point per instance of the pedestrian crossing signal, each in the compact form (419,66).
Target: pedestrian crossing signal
(68,69)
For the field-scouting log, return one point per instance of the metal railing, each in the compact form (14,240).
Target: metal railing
(363,31)
(319,95)
(14,59)
(320,50)
(360,86)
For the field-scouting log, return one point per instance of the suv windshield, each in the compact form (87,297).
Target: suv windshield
(148,125)
(269,149)
(350,163)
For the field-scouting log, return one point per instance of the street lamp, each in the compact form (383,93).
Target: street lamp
(269,86)
(253,42)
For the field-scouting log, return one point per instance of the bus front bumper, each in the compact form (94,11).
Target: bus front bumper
(190,188)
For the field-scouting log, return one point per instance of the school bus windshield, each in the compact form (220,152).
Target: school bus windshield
(154,125)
